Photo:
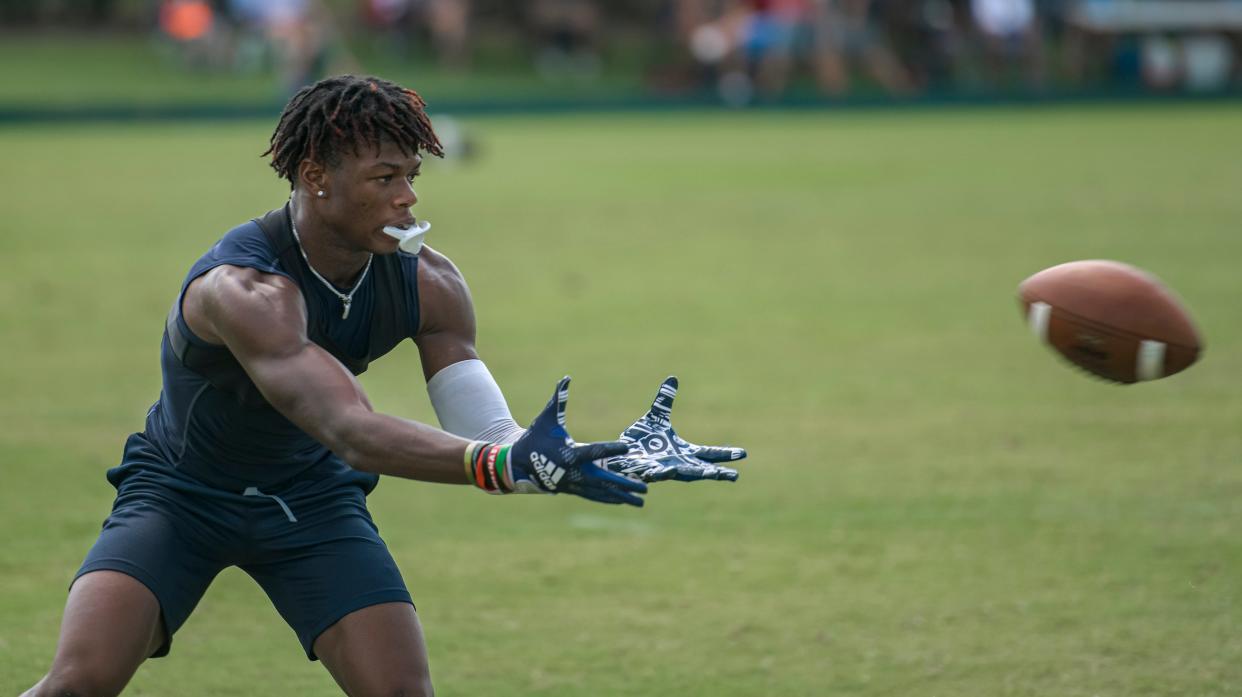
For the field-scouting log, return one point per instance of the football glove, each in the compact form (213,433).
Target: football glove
(547,460)
(656,453)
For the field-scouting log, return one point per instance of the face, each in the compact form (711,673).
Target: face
(367,192)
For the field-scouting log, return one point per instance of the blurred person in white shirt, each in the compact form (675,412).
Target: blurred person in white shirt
(1011,35)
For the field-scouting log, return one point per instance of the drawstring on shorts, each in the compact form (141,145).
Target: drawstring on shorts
(254,491)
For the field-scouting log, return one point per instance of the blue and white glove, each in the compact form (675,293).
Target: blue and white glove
(547,460)
(656,453)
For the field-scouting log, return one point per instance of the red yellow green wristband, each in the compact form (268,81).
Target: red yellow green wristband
(486,465)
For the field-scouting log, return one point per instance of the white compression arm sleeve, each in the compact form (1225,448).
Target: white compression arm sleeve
(469,404)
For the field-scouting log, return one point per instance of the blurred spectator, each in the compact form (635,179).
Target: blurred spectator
(1083,48)
(445,23)
(716,34)
(713,32)
(385,13)
(298,36)
(567,38)
(847,35)
(1011,36)
(1155,44)
(391,21)
(1207,62)
(758,44)
(926,37)
(448,21)
(186,20)
(742,48)
(193,28)
(774,34)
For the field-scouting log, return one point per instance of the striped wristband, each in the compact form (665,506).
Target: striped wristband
(469,458)
(485,467)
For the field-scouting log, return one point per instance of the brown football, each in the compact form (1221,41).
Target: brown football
(1111,319)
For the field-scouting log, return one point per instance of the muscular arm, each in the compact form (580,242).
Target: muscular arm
(262,320)
(446,330)
(464,394)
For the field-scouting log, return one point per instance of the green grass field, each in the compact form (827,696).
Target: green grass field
(934,505)
(89,70)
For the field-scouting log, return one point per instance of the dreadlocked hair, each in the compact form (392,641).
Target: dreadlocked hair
(348,112)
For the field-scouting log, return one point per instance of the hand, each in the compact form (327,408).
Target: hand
(657,453)
(546,460)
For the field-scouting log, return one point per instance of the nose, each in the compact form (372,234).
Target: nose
(407,198)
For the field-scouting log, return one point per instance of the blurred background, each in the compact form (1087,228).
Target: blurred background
(246,54)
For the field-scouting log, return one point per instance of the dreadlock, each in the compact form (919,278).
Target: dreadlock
(349,112)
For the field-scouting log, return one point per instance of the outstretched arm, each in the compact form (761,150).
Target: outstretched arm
(262,320)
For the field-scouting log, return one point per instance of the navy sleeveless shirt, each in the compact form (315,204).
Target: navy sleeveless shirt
(212,424)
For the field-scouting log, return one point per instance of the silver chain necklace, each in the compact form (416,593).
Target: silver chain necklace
(347,299)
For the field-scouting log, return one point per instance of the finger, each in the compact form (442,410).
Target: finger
(603,476)
(562,399)
(697,473)
(658,473)
(638,469)
(599,451)
(662,406)
(553,413)
(638,430)
(610,495)
(629,499)
(716,454)
(606,494)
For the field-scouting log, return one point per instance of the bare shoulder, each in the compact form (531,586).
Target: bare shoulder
(231,299)
(444,297)
(438,274)
(446,329)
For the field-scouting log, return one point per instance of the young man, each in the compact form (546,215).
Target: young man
(262,447)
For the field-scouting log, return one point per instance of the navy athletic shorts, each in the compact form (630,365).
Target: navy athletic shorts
(310,544)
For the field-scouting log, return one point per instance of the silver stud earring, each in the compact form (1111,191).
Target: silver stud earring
(320,194)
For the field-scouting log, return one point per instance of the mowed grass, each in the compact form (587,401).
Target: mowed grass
(87,71)
(934,505)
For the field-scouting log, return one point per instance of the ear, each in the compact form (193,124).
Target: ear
(312,176)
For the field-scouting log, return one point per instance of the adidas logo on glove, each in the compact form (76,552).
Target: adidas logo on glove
(549,474)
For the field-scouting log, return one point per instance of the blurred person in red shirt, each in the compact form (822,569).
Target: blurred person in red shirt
(192,26)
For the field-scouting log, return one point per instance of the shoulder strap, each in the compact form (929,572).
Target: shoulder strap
(276,225)
(278,229)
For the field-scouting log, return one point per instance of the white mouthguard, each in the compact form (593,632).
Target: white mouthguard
(412,239)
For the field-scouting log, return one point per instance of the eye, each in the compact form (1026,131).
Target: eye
(412,176)
(387,178)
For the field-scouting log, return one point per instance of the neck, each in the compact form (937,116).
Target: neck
(326,249)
